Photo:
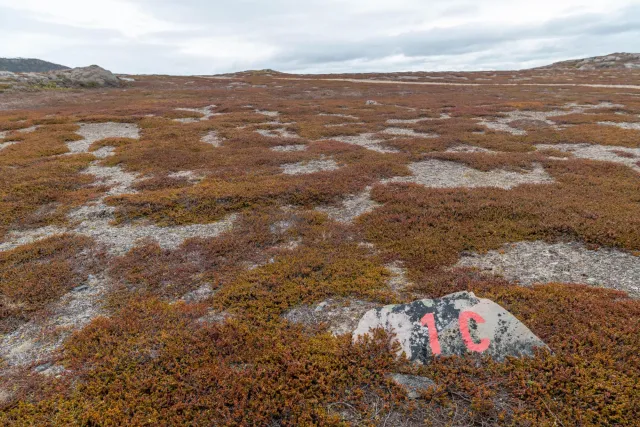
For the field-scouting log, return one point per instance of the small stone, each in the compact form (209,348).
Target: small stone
(413,384)
(321,306)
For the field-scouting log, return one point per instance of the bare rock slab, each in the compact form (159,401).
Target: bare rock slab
(340,315)
(445,174)
(539,262)
(456,324)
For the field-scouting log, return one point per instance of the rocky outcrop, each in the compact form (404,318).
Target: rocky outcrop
(92,76)
(83,77)
(455,324)
(611,61)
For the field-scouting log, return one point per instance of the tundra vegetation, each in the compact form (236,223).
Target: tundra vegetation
(194,331)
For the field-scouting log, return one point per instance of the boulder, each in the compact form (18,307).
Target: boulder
(455,324)
(92,76)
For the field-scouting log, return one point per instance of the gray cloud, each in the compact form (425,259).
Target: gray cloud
(204,37)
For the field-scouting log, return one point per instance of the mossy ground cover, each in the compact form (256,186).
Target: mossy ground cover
(229,357)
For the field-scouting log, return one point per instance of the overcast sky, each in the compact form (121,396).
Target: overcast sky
(315,36)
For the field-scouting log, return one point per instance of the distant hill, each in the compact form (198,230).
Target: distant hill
(267,72)
(28,65)
(616,61)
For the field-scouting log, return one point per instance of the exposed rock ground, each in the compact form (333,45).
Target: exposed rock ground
(367,140)
(539,262)
(444,174)
(513,119)
(95,219)
(351,207)
(627,156)
(289,148)
(312,166)
(340,315)
(212,138)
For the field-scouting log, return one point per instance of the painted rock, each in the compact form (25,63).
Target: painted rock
(455,324)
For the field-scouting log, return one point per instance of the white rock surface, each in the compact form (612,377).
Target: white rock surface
(312,166)
(444,174)
(288,148)
(92,132)
(368,141)
(351,207)
(408,133)
(540,262)
(606,153)
(496,332)
(212,138)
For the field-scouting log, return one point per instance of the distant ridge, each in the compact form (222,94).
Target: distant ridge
(28,65)
(614,61)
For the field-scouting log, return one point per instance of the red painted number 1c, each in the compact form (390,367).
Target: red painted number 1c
(429,321)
